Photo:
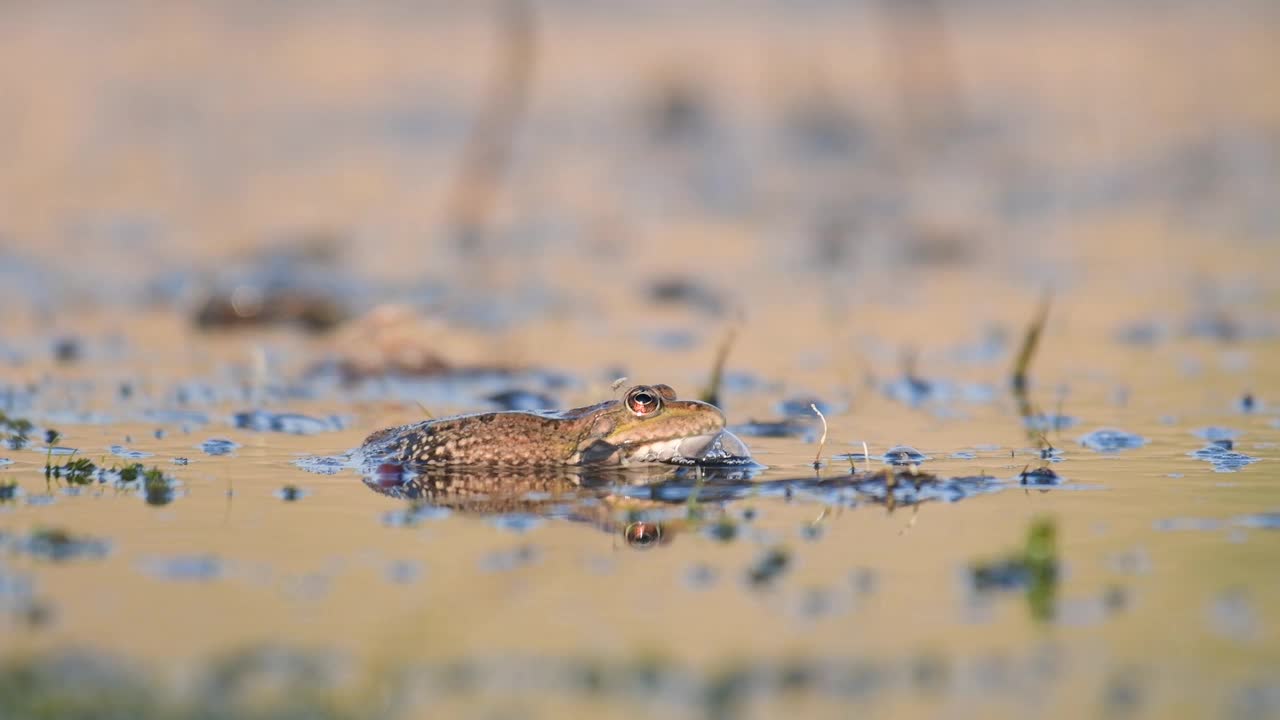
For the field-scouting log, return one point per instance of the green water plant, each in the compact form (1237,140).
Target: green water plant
(711,393)
(1034,569)
(1027,351)
(75,471)
(157,488)
(15,431)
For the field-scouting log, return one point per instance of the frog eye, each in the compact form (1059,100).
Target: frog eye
(643,535)
(643,401)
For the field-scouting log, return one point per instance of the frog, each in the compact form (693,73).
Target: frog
(648,424)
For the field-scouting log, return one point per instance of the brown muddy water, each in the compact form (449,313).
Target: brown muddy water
(237,238)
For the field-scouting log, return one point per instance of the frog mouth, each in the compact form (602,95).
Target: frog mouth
(717,448)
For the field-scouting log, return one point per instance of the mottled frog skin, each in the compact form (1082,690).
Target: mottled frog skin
(647,425)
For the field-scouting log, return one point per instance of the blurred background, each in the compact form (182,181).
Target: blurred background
(284,224)
(507,162)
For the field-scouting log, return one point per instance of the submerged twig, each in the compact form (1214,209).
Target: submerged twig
(911,523)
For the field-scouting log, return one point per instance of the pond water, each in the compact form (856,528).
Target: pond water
(225,262)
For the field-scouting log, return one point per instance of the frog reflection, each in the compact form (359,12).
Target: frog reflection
(647,507)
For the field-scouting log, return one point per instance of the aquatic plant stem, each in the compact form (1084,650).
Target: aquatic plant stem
(822,443)
(488,150)
(711,393)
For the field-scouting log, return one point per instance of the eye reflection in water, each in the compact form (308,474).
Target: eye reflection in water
(643,535)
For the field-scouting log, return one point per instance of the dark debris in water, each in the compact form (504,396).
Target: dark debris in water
(723,530)
(1040,477)
(768,567)
(291,493)
(890,487)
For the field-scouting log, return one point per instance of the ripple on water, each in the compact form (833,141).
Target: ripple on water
(59,545)
(322,465)
(507,560)
(1259,521)
(1050,422)
(219,446)
(184,568)
(128,454)
(403,572)
(1109,440)
(1187,524)
(1214,433)
(1222,455)
(522,400)
(414,515)
(898,455)
(700,576)
(177,417)
(802,407)
(288,423)
(791,427)
(516,522)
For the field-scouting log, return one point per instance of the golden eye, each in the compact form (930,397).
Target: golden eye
(643,535)
(643,401)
